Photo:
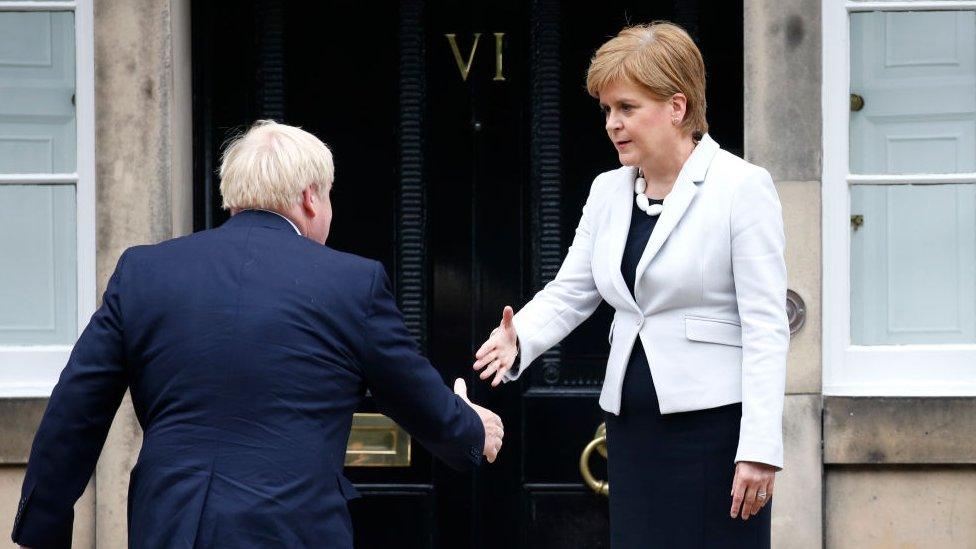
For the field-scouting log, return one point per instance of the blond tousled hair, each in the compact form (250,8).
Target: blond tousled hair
(662,58)
(270,165)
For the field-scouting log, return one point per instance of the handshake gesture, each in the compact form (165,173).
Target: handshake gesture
(498,354)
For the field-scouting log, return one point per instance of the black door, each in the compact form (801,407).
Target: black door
(465,144)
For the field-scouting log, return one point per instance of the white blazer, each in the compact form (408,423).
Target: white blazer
(710,287)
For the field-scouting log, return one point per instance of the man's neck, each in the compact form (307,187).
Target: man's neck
(281,215)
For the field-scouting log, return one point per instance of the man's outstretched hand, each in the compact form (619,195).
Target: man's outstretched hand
(494,430)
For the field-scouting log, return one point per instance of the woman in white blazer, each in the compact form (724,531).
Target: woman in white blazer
(686,242)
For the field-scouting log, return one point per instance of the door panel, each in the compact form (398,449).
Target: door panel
(562,516)
(916,72)
(37,86)
(913,261)
(39,289)
(476,153)
(913,253)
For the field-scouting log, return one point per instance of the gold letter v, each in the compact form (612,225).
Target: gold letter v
(465,69)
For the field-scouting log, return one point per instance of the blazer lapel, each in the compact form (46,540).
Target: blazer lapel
(620,210)
(678,200)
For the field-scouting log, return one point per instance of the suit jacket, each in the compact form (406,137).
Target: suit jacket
(246,349)
(710,305)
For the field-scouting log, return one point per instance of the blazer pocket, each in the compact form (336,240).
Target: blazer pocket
(713,330)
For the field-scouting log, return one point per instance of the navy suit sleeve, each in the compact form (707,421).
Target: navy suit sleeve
(73,430)
(407,388)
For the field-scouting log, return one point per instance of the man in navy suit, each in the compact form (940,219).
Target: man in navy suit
(246,349)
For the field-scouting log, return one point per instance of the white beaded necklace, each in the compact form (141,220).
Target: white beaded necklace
(640,185)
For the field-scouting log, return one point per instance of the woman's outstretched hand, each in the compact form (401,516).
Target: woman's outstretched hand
(498,353)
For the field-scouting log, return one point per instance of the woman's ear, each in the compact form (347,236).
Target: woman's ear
(679,106)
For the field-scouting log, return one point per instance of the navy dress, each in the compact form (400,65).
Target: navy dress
(671,475)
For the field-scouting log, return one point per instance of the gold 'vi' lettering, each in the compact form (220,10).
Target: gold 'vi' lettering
(464,67)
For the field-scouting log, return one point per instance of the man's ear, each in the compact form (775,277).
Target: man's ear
(309,198)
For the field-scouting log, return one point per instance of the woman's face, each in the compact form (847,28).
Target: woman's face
(639,125)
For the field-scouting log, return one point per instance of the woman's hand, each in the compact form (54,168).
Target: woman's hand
(499,351)
(752,487)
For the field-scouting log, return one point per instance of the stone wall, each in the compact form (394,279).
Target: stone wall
(783,134)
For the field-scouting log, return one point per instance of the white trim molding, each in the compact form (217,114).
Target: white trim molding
(38,178)
(29,5)
(32,371)
(919,179)
(85,112)
(853,370)
(911,5)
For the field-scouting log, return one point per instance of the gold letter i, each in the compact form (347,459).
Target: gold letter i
(499,38)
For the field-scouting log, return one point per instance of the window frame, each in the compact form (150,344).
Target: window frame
(32,371)
(863,370)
